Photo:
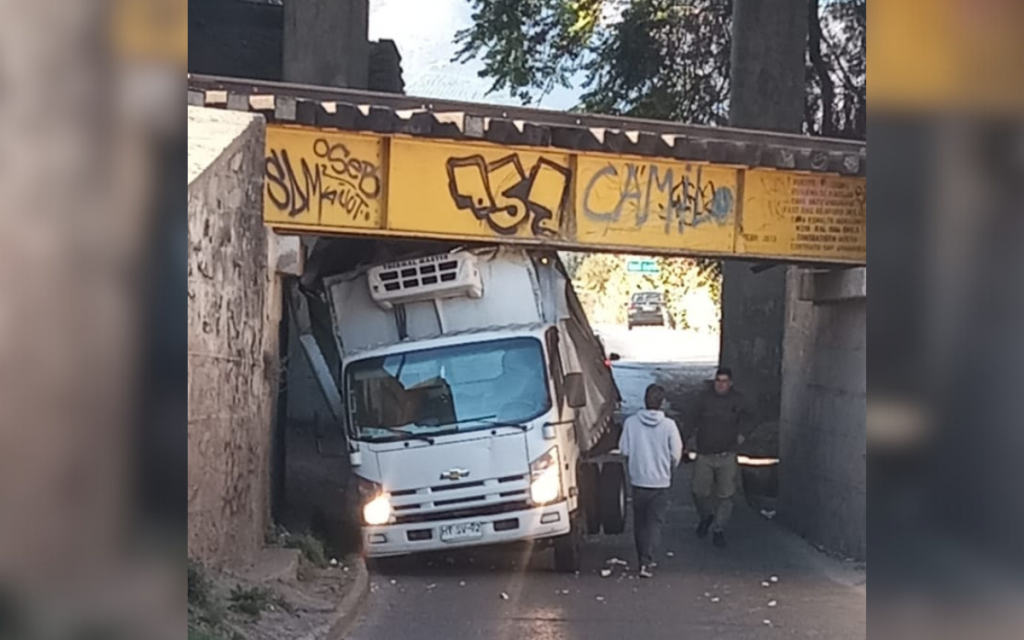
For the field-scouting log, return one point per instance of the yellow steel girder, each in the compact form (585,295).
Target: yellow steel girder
(338,182)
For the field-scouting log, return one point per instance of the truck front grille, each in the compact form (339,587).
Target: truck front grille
(455,514)
(461,500)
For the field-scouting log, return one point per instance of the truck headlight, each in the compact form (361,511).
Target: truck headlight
(377,511)
(546,485)
(376,503)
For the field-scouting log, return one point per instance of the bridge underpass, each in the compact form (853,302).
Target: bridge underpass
(342,165)
(356,163)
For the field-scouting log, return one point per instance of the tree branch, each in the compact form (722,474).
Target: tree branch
(814,38)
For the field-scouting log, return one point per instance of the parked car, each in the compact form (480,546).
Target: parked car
(647,308)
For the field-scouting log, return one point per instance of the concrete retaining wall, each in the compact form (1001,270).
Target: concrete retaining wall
(822,476)
(233,316)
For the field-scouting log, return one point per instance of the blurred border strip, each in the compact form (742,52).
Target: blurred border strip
(151,30)
(947,55)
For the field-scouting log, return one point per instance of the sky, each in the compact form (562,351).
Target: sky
(424,31)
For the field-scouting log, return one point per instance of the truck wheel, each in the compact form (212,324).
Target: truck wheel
(569,548)
(613,498)
(590,496)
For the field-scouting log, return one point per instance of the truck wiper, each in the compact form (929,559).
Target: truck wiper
(488,420)
(405,435)
(460,421)
(502,423)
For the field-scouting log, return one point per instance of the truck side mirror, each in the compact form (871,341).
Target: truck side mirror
(575,392)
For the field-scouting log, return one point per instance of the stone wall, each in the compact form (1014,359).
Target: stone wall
(233,317)
(822,475)
(753,321)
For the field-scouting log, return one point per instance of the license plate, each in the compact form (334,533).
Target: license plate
(457,532)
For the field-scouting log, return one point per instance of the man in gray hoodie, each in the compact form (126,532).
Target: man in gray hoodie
(654,448)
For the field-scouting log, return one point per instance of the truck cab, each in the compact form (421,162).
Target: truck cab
(464,440)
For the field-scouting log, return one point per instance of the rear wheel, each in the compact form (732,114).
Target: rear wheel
(569,548)
(613,498)
(590,496)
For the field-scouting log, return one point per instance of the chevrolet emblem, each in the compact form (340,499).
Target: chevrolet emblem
(454,474)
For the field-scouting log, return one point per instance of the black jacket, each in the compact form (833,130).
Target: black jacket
(717,421)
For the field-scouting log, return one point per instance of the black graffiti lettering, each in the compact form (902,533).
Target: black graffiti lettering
(501,194)
(354,204)
(664,187)
(277,186)
(361,174)
(340,180)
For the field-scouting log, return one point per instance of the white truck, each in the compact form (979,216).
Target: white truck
(478,404)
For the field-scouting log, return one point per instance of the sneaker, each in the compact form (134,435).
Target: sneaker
(719,538)
(645,571)
(705,524)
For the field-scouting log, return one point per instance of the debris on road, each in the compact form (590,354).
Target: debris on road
(768,513)
(605,573)
(774,578)
(715,599)
(462,583)
(431,586)
(767,622)
(393,581)
(504,596)
(772,603)
(334,562)
(670,554)
(766,584)
(617,561)
(599,598)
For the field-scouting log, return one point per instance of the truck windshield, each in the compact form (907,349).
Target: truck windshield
(447,389)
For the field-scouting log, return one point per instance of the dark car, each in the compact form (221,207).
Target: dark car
(647,308)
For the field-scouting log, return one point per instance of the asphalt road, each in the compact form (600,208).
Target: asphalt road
(698,592)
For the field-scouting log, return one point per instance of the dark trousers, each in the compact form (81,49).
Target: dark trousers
(649,508)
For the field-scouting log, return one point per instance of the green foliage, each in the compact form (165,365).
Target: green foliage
(253,601)
(199,587)
(604,286)
(311,547)
(836,104)
(663,59)
(313,550)
(528,46)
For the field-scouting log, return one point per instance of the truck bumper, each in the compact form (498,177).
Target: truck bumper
(529,524)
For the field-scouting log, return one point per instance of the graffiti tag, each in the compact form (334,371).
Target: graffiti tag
(333,176)
(688,201)
(504,196)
